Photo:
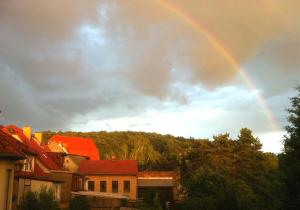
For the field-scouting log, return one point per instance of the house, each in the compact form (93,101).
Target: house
(167,183)
(78,146)
(9,154)
(110,178)
(66,152)
(70,161)
(31,173)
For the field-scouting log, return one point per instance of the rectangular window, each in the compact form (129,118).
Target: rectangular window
(91,185)
(28,164)
(102,186)
(114,186)
(126,186)
(27,187)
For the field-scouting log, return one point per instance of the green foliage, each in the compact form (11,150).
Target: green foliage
(231,174)
(154,198)
(153,151)
(30,202)
(210,189)
(223,173)
(47,200)
(290,159)
(80,203)
(44,200)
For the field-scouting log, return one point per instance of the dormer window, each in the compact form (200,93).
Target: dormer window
(28,164)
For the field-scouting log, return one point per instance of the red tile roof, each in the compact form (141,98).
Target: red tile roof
(108,167)
(78,146)
(32,147)
(9,147)
(29,145)
(38,172)
(48,161)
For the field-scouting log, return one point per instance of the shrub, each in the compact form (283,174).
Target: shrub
(80,203)
(30,202)
(45,200)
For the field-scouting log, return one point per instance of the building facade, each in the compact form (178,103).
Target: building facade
(110,177)
(9,154)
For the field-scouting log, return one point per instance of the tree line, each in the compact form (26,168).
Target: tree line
(221,173)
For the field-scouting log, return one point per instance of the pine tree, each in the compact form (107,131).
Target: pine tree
(290,161)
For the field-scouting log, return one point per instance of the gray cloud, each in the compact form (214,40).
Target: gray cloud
(60,60)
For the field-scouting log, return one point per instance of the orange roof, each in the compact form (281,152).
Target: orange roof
(108,167)
(78,146)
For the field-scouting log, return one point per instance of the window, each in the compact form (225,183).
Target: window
(91,185)
(27,186)
(102,186)
(28,164)
(126,186)
(114,186)
(56,192)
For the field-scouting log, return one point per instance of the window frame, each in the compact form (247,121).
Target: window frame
(115,189)
(93,185)
(126,186)
(105,188)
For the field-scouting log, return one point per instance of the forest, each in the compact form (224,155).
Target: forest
(218,173)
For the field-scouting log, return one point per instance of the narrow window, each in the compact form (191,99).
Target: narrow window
(102,186)
(91,185)
(27,186)
(126,186)
(114,186)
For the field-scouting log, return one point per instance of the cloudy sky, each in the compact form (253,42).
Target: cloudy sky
(184,67)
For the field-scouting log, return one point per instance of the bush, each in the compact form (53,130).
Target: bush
(80,203)
(45,200)
(30,202)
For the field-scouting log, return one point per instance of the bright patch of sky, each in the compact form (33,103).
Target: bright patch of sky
(206,114)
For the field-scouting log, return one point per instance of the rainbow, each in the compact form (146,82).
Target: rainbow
(224,52)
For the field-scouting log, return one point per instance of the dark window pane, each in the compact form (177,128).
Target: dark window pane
(115,186)
(102,186)
(126,186)
(91,185)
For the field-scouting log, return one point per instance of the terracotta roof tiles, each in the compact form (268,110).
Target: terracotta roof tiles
(108,167)
(78,146)
(9,147)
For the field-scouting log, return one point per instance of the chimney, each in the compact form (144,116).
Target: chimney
(27,130)
(113,157)
(39,137)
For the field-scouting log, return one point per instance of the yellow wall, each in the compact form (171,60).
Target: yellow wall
(133,184)
(5,187)
(36,186)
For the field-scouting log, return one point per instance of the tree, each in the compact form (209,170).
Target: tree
(30,201)
(290,159)
(213,190)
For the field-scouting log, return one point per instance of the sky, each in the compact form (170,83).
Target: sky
(192,68)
